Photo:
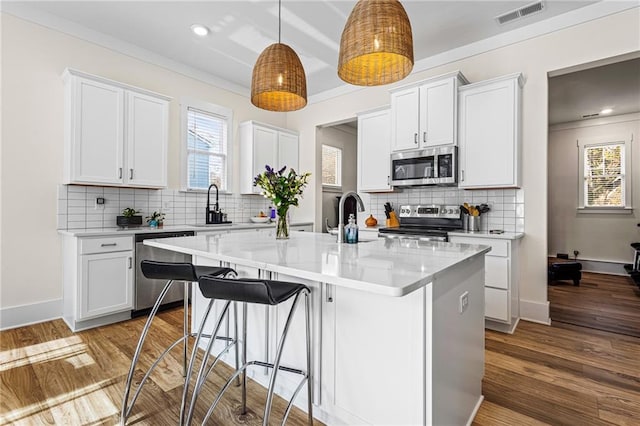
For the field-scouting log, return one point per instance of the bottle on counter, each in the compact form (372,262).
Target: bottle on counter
(351,231)
(272,214)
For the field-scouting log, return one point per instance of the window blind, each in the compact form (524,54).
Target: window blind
(604,176)
(206,149)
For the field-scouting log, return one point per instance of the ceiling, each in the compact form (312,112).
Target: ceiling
(587,92)
(240,30)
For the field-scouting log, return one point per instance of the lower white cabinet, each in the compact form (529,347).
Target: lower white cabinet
(98,280)
(501,281)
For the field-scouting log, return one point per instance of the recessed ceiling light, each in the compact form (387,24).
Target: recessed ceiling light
(200,30)
(606,111)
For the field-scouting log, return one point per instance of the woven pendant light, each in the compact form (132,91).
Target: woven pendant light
(278,82)
(377,45)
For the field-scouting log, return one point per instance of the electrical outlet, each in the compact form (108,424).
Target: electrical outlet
(464,302)
(99,203)
(575,253)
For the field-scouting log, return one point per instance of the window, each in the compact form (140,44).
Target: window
(604,184)
(206,136)
(331,166)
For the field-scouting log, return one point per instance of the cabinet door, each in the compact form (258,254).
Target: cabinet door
(489,136)
(265,149)
(374,150)
(98,133)
(147,129)
(438,113)
(107,284)
(288,151)
(404,119)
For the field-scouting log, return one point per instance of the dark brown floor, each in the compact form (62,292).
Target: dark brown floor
(604,302)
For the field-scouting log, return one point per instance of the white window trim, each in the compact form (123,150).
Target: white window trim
(185,104)
(625,141)
(328,186)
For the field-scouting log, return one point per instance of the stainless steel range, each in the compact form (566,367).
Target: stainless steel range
(425,223)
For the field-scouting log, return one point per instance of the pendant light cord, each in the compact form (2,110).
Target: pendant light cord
(279,19)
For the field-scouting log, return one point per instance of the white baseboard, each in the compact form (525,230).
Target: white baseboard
(535,311)
(610,267)
(18,316)
(475,410)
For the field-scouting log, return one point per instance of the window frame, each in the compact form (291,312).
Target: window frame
(583,145)
(206,107)
(338,186)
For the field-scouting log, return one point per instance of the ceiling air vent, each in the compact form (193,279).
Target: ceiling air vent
(590,115)
(521,12)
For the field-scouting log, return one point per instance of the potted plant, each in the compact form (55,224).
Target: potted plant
(155,220)
(129,218)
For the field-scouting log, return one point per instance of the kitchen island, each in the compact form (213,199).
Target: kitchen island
(398,327)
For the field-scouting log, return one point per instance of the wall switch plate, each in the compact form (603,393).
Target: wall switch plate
(464,302)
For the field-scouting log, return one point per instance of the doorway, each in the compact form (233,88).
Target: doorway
(593,179)
(337,143)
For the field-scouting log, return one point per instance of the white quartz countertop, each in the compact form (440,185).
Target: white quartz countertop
(486,234)
(386,267)
(95,232)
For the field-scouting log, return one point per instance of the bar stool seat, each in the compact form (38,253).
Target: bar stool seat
(172,272)
(258,291)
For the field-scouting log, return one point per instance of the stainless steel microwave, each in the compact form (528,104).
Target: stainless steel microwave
(434,166)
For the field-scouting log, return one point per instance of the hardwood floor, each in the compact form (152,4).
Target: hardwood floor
(604,302)
(539,375)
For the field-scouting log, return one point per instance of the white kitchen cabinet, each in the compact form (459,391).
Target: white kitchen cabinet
(424,114)
(489,133)
(374,150)
(261,145)
(502,301)
(97,280)
(115,134)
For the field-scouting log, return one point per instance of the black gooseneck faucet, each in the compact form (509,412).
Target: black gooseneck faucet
(212,216)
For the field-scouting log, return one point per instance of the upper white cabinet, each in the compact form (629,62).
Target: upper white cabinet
(374,150)
(261,145)
(489,133)
(115,134)
(424,114)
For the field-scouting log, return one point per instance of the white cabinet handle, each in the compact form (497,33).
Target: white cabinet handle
(108,245)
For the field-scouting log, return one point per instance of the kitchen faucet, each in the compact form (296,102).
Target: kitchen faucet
(355,195)
(213,216)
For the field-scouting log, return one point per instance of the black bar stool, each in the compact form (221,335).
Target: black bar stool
(172,272)
(265,292)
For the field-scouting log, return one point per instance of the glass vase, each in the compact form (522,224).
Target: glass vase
(282,225)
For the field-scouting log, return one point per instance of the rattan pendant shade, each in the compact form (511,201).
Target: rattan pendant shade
(278,82)
(377,44)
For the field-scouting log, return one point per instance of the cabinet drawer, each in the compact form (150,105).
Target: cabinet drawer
(496,304)
(498,247)
(105,244)
(496,272)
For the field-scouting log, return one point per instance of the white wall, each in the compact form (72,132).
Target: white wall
(601,237)
(601,38)
(33,58)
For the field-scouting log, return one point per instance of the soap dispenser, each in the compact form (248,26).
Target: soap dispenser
(351,231)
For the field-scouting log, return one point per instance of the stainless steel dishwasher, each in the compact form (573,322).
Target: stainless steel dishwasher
(147,290)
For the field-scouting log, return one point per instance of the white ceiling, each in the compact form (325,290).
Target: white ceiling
(240,30)
(586,92)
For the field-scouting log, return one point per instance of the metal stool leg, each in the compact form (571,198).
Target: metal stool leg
(124,414)
(276,363)
(307,306)
(244,358)
(185,328)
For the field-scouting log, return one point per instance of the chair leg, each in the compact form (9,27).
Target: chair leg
(235,334)
(243,379)
(185,328)
(307,306)
(124,414)
(276,364)
(201,377)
